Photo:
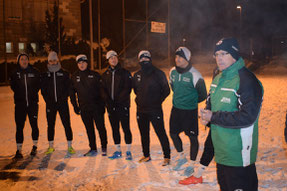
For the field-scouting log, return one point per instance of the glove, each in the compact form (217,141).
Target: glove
(77,110)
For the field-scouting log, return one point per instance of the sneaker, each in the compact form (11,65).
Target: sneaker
(71,150)
(179,163)
(166,162)
(129,156)
(104,151)
(191,180)
(116,155)
(49,150)
(18,155)
(33,151)
(144,159)
(91,153)
(188,171)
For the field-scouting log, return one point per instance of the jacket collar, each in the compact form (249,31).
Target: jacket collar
(233,69)
(118,66)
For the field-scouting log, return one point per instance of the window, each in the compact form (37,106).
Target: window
(21,47)
(34,46)
(9,47)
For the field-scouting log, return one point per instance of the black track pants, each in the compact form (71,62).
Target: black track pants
(156,118)
(237,178)
(51,112)
(208,151)
(89,117)
(21,112)
(121,115)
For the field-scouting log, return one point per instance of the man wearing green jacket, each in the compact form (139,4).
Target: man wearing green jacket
(189,89)
(233,109)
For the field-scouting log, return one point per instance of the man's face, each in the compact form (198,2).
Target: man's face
(113,61)
(223,59)
(23,62)
(180,61)
(53,62)
(82,65)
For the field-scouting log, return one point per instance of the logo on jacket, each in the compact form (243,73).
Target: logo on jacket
(78,78)
(172,77)
(31,75)
(225,100)
(60,74)
(90,76)
(139,78)
(185,79)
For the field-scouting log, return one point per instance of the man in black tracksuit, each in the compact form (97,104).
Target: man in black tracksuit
(86,84)
(151,88)
(55,88)
(117,83)
(25,83)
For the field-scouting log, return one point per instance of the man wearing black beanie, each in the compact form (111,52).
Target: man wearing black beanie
(25,83)
(189,89)
(151,88)
(232,109)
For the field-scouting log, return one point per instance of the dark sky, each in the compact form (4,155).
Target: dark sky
(201,22)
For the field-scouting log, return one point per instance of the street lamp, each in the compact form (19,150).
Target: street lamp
(240,22)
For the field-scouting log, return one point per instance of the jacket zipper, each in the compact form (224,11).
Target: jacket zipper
(179,77)
(113,84)
(26,89)
(55,86)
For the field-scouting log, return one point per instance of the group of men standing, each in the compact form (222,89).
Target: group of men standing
(232,109)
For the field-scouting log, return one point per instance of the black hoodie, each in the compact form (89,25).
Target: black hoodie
(117,84)
(55,86)
(151,88)
(87,85)
(25,84)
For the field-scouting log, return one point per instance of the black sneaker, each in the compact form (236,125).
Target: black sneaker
(18,155)
(33,151)
(91,153)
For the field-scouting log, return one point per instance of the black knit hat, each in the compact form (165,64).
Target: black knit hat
(229,45)
(20,55)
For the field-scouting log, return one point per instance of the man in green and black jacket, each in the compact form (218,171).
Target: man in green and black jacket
(233,109)
(189,89)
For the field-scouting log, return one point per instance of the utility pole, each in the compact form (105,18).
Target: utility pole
(146,22)
(99,34)
(124,29)
(168,32)
(240,24)
(59,32)
(4,44)
(91,34)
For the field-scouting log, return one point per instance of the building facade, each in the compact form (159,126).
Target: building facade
(22,24)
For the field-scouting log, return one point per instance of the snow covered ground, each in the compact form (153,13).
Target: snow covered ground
(56,172)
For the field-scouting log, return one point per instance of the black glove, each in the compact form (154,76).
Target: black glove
(77,110)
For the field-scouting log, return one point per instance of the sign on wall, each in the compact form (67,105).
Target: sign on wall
(158,27)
